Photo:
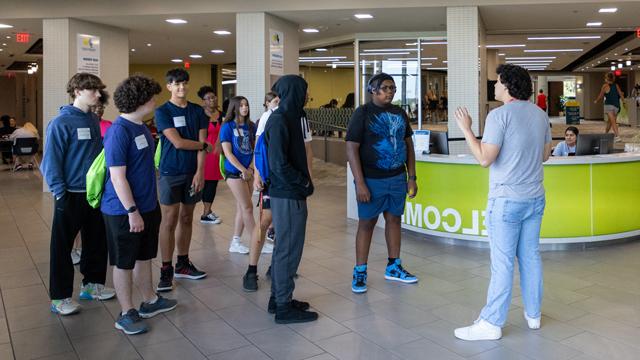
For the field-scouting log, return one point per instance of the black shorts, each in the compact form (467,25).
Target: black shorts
(231,175)
(125,248)
(264,200)
(176,189)
(209,191)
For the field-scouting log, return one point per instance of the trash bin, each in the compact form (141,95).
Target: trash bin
(572,112)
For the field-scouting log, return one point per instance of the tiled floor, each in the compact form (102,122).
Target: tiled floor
(591,307)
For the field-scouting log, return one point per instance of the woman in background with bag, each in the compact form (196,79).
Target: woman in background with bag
(613,99)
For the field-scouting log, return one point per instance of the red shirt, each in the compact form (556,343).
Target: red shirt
(542,101)
(212,161)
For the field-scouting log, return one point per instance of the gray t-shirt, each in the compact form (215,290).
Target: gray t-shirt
(520,129)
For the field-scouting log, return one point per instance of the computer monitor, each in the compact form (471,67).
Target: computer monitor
(439,142)
(592,144)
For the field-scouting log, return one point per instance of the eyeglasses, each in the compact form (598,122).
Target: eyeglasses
(391,88)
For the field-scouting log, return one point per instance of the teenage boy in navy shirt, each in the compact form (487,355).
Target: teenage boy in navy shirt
(382,160)
(130,203)
(183,126)
(72,143)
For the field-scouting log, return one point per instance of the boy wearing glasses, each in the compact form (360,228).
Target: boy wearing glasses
(382,160)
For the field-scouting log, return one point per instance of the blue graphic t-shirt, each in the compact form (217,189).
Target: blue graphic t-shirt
(240,138)
(381,133)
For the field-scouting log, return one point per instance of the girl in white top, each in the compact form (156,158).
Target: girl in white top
(568,146)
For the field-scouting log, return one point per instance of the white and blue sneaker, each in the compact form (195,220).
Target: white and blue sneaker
(359,282)
(93,291)
(64,307)
(396,272)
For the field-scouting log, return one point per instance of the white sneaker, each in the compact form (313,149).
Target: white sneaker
(93,291)
(76,255)
(237,246)
(480,330)
(533,323)
(617,139)
(64,307)
(267,248)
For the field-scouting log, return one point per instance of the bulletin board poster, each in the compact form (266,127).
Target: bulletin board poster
(276,51)
(88,54)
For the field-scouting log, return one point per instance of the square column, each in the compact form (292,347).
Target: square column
(267,47)
(467,82)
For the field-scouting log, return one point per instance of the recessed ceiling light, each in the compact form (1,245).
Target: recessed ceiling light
(217,51)
(148,44)
(6,26)
(594,23)
(4,44)
(1,49)
(608,10)
(176,60)
(530,58)
(363,16)
(615,54)
(563,37)
(505,46)
(222,32)
(310,30)
(502,54)
(8,37)
(321,49)
(385,53)
(133,50)
(176,21)
(552,50)
(195,56)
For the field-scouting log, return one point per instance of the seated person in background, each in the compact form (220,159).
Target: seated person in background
(568,146)
(27,131)
(5,130)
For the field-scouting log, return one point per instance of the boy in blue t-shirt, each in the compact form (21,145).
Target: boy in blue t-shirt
(382,160)
(183,126)
(72,143)
(130,203)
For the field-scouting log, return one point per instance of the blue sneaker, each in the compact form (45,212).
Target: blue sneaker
(148,310)
(396,272)
(131,323)
(359,282)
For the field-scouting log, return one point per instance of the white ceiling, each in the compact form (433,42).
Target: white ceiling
(506,24)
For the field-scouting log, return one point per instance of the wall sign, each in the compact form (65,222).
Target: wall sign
(276,51)
(88,54)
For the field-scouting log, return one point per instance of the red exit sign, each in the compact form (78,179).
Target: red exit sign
(23,37)
(638,33)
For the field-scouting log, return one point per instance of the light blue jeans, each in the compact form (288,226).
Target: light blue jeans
(514,230)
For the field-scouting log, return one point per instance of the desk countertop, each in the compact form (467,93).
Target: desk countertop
(554,160)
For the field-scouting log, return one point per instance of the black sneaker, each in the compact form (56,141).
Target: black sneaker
(271,234)
(300,305)
(131,323)
(290,315)
(250,282)
(161,305)
(166,279)
(188,271)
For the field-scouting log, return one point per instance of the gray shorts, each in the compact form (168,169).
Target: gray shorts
(175,189)
(611,109)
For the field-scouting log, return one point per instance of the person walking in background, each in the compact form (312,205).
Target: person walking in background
(516,141)
(130,204)
(73,142)
(541,100)
(613,97)
(99,108)
(212,174)
(183,150)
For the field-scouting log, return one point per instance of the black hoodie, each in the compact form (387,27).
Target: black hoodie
(288,172)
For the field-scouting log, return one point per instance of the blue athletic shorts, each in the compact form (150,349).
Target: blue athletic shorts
(387,195)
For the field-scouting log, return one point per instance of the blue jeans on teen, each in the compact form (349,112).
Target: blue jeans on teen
(514,230)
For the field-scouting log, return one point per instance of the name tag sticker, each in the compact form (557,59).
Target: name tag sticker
(141,142)
(179,121)
(236,132)
(84,134)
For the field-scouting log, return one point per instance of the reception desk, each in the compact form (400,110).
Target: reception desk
(589,198)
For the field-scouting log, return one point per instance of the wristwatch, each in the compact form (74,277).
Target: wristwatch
(132,209)
(204,146)
(413,177)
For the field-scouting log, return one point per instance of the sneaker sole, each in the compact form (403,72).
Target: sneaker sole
(91,297)
(210,222)
(358,291)
(295,321)
(157,312)
(190,277)
(401,280)
(164,289)
(141,331)
(238,252)
(55,311)
(249,290)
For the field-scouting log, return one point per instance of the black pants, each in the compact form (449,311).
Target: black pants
(209,191)
(290,222)
(71,214)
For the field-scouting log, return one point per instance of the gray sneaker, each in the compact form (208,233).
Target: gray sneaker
(131,323)
(161,305)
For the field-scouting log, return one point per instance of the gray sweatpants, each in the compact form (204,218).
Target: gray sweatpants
(290,222)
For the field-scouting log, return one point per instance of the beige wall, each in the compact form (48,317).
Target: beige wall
(199,75)
(327,84)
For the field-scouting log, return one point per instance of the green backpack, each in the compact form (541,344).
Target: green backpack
(221,165)
(156,157)
(95,180)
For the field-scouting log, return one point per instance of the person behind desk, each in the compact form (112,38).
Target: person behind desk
(27,131)
(568,146)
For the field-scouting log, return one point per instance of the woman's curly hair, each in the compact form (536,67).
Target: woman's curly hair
(135,91)
(517,81)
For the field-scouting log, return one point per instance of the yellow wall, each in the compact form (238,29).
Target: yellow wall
(327,84)
(199,75)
